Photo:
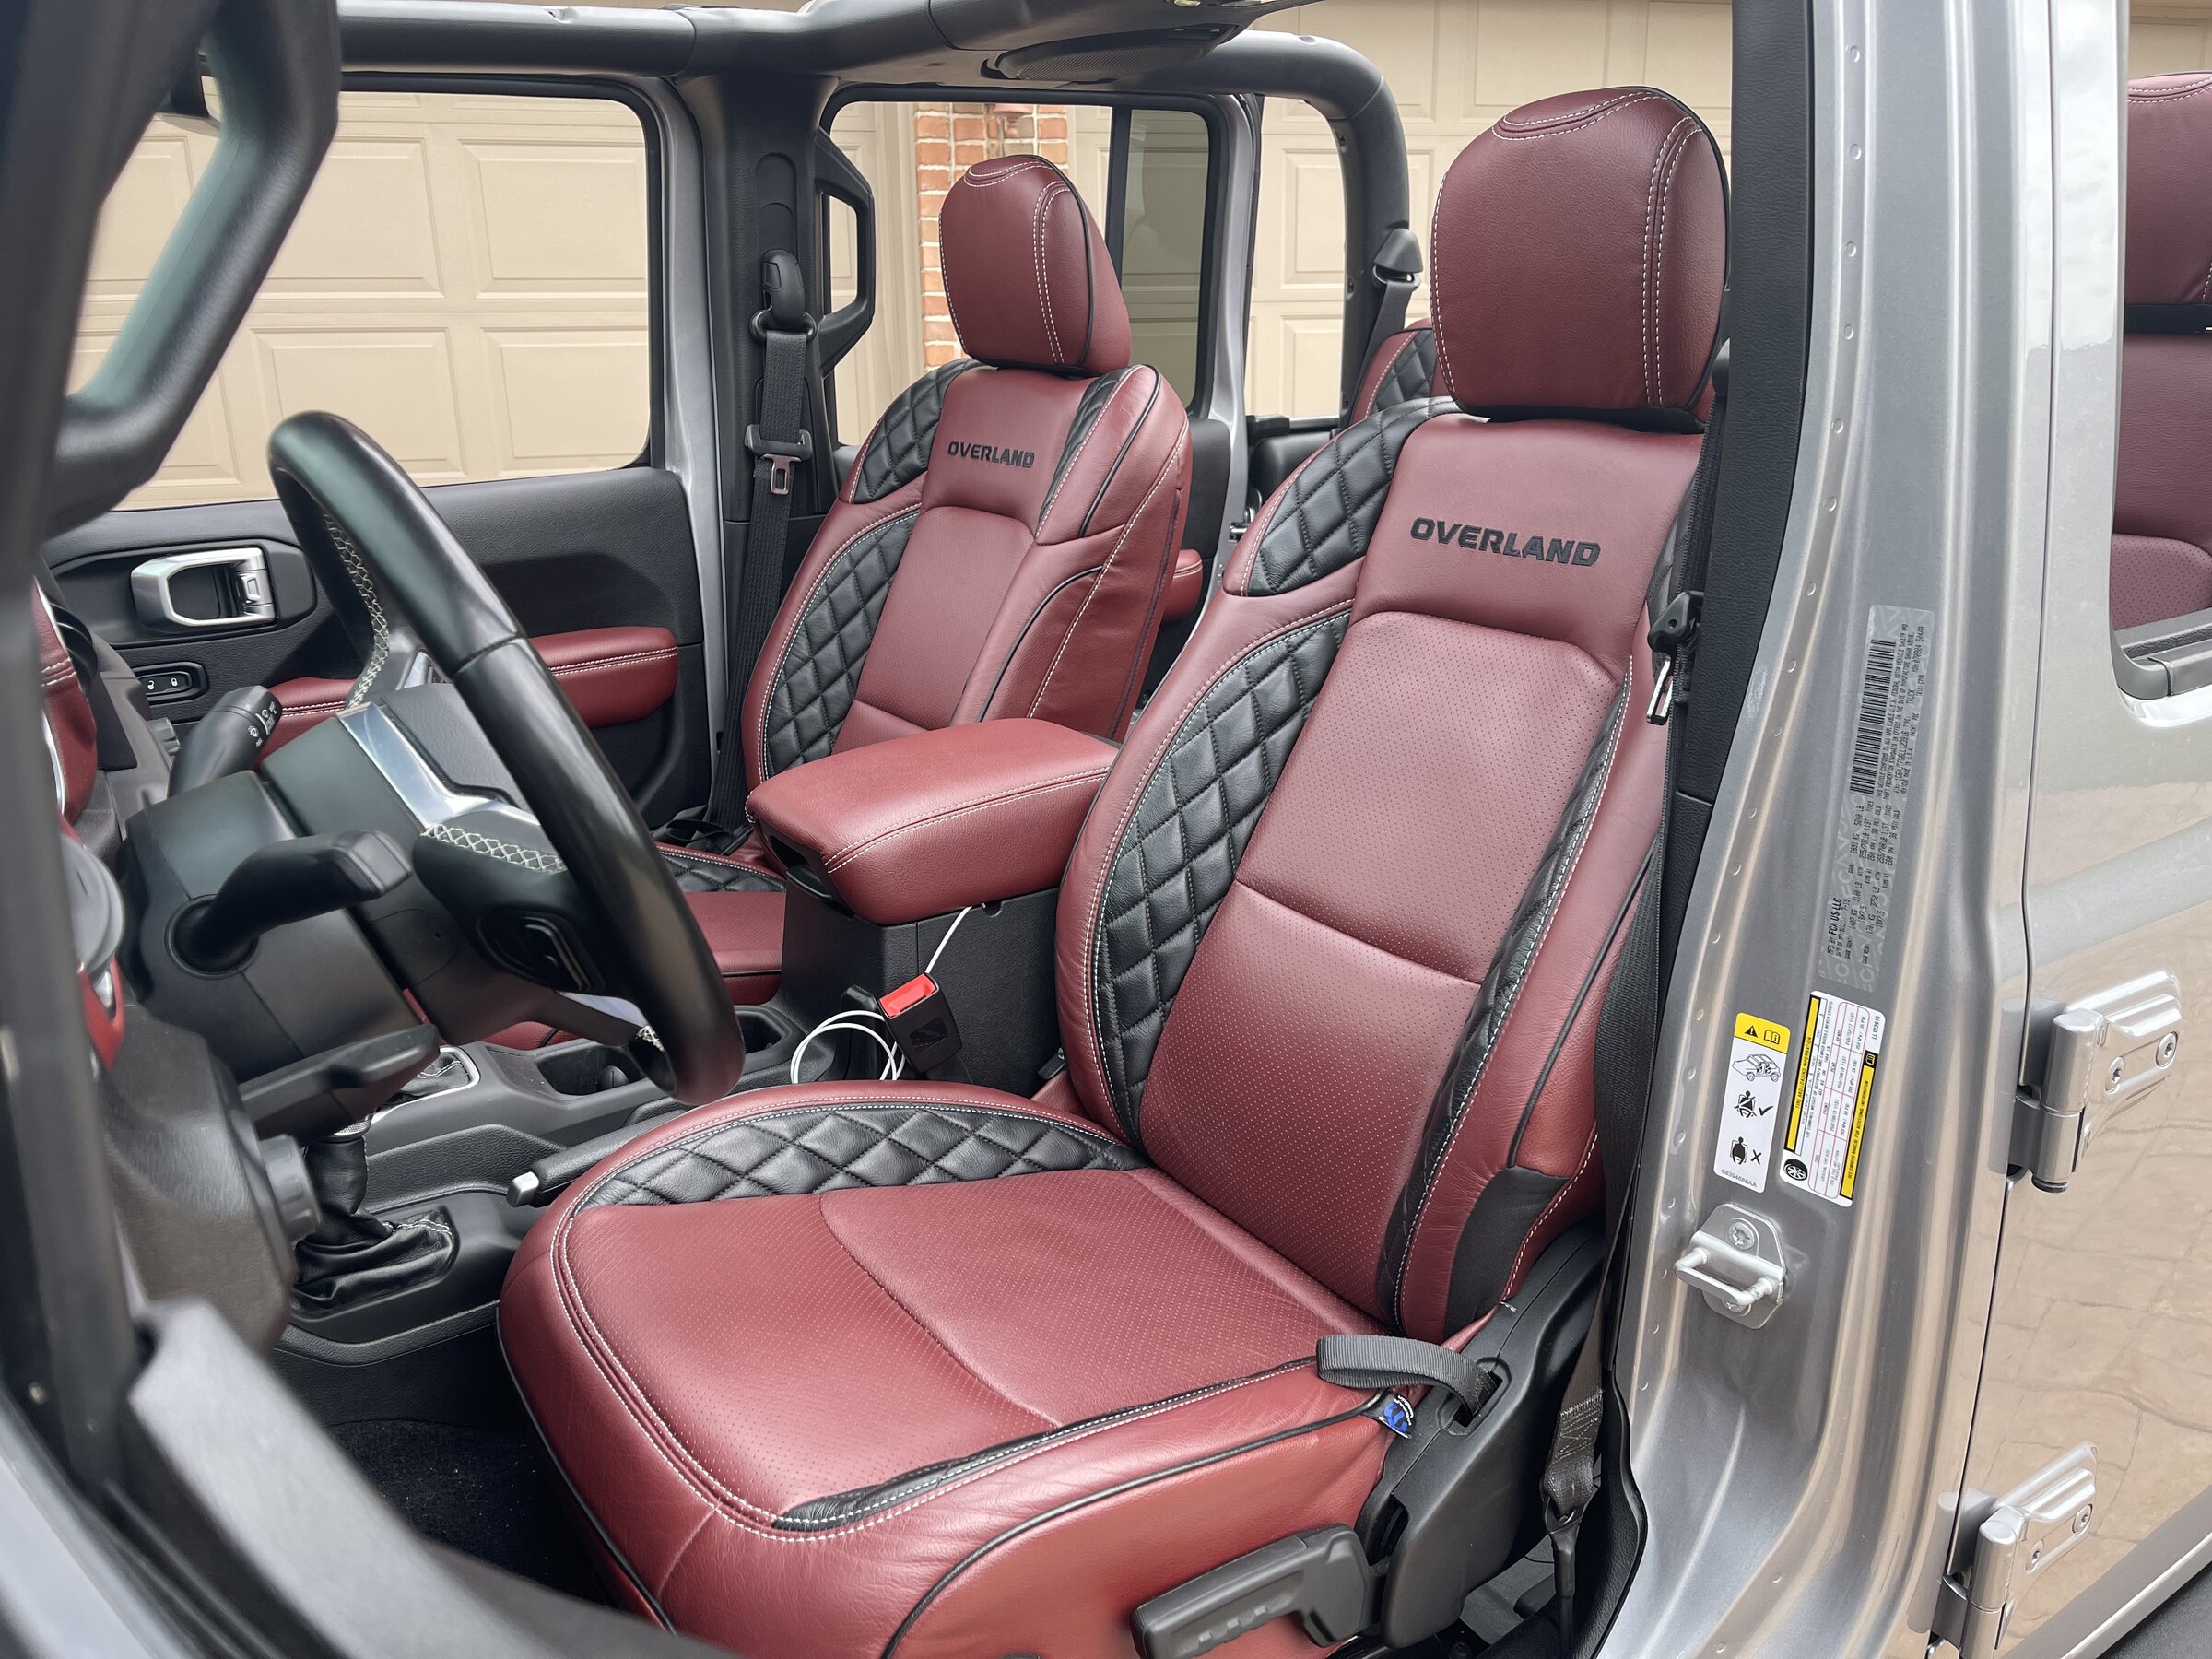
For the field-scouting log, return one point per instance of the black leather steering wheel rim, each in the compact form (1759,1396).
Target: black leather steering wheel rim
(331,473)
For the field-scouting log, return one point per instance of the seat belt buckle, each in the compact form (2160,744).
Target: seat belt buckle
(783,454)
(920,1017)
(1676,626)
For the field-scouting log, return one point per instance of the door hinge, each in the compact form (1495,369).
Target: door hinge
(2103,1054)
(2002,1543)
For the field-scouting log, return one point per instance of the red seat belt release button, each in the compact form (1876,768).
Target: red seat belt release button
(921,1024)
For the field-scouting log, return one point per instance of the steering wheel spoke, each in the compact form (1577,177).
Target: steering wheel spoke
(577,898)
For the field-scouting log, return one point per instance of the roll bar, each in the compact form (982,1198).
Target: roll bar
(275,63)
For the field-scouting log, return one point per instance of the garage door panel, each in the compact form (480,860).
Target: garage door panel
(397,384)
(565,397)
(596,242)
(366,227)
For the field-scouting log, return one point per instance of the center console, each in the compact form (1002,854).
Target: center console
(943,846)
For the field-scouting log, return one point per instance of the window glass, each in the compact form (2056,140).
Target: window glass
(1163,240)
(2161,580)
(911,152)
(1454,67)
(467,282)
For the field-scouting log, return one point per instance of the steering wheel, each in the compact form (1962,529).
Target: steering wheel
(405,591)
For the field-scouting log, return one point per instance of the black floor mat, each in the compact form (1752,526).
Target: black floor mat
(489,1492)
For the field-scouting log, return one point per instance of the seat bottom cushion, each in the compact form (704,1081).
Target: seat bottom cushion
(987,1409)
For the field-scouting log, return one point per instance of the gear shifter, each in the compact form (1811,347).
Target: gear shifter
(353,1256)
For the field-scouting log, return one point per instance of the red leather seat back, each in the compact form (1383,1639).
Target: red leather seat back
(1336,932)
(2162,507)
(1003,542)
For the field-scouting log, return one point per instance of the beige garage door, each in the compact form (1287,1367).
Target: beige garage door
(467,281)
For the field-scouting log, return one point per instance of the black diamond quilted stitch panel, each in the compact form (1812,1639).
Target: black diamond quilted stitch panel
(814,1150)
(815,682)
(900,449)
(1180,851)
(697,875)
(1411,372)
(1329,509)
(1494,1002)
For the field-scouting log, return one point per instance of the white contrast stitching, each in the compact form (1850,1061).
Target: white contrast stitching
(861,849)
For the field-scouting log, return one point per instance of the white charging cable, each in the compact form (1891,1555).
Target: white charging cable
(858,1020)
(854,1019)
(947,938)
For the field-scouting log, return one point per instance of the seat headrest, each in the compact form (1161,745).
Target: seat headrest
(2169,190)
(1027,277)
(1579,249)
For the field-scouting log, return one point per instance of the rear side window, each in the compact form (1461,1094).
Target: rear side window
(1454,69)
(468,281)
(1145,175)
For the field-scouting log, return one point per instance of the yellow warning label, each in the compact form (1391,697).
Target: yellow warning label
(1834,1084)
(1805,1064)
(1767,1033)
(1858,1124)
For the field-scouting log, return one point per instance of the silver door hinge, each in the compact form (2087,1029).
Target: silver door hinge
(1734,1260)
(2002,1543)
(2105,1052)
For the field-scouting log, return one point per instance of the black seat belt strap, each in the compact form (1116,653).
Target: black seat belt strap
(782,446)
(1397,272)
(1628,1031)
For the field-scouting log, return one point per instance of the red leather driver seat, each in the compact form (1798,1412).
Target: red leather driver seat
(871,1369)
(2162,511)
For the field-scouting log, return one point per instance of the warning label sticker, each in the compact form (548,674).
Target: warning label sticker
(1750,1099)
(1863,869)
(1829,1095)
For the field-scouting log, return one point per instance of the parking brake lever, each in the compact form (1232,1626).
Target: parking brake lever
(285,881)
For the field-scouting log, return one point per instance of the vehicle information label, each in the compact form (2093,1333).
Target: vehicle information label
(1829,1097)
(1863,870)
(1750,1101)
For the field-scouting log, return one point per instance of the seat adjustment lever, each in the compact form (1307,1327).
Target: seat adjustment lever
(1320,1577)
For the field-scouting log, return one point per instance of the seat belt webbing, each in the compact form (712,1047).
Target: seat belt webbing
(782,445)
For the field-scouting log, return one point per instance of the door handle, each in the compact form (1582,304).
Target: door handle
(243,596)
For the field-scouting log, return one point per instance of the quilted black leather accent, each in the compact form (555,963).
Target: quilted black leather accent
(899,449)
(812,1149)
(697,875)
(1411,373)
(821,671)
(1088,408)
(1494,1002)
(1175,860)
(1325,514)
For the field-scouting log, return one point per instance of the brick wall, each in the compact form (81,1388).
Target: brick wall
(949,138)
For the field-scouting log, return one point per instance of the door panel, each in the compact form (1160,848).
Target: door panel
(607,552)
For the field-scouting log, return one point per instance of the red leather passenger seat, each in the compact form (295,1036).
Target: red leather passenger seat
(2163,507)
(1001,547)
(912,1369)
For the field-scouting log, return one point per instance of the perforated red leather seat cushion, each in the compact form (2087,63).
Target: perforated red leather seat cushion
(741,1376)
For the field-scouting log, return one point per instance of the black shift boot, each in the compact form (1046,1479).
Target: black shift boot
(352,1256)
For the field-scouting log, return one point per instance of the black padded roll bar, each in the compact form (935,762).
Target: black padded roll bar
(1354,99)
(275,63)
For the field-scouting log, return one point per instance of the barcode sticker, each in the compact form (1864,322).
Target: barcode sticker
(1885,736)
(1873,715)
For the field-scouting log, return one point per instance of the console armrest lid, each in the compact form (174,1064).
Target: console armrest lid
(922,825)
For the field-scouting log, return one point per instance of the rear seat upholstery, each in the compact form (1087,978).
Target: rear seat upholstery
(2162,505)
